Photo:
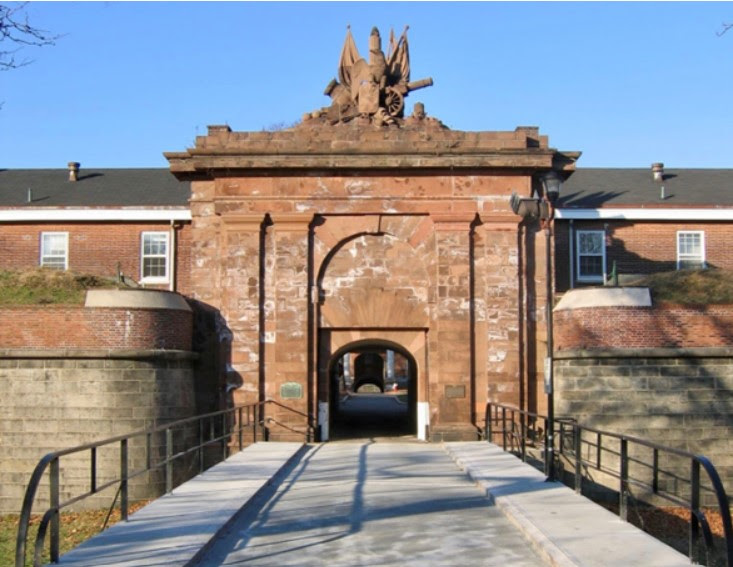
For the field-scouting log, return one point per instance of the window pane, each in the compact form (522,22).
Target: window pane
(154,267)
(689,243)
(691,264)
(155,255)
(154,244)
(690,252)
(590,243)
(591,266)
(53,250)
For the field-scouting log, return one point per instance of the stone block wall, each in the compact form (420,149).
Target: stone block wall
(681,399)
(663,373)
(72,374)
(57,400)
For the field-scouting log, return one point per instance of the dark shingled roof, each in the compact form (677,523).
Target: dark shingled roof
(95,188)
(594,188)
(586,188)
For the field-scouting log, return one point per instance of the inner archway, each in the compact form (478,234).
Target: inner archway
(373,387)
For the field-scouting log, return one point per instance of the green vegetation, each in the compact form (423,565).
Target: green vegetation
(691,287)
(45,286)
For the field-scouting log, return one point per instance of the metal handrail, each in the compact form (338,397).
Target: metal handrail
(231,424)
(506,417)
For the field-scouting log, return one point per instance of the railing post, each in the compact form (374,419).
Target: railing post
(655,471)
(254,423)
(54,501)
(239,428)
(624,481)
(548,454)
(503,428)
(523,433)
(168,460)
(694,534)
(489,423)
(201,446)
(224,441)
(93,470)
(123,479)
(577,448)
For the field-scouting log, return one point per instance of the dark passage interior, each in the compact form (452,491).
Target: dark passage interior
(372,392)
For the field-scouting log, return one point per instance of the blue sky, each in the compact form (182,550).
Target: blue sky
(628,84)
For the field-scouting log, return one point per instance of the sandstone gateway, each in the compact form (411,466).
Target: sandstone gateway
(364,230)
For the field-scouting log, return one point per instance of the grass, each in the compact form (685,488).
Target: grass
(691,287)
(43,286)
(76,527)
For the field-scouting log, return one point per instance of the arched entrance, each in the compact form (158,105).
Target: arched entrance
(372,391)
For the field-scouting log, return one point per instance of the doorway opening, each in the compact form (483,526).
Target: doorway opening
(373,391)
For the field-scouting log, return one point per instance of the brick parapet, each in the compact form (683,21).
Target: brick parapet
(661,326)
(77,327)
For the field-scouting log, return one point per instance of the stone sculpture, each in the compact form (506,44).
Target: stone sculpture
(373,89)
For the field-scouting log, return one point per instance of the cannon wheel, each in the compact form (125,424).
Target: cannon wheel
(394,103)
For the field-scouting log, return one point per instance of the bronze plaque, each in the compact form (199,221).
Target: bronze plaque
(455,391)
(291,391)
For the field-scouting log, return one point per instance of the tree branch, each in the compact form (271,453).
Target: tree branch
(724,29)
(16,29)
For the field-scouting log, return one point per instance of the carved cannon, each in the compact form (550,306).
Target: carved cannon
(394,96)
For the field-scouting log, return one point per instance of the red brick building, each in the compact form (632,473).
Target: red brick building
(110,222)
(635,221)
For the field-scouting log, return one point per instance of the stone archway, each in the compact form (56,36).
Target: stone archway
(374,293)
(387,412)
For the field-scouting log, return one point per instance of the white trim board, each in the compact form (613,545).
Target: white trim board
(94,215)
(675,214)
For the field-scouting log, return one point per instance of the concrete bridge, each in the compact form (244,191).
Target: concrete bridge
(373,502)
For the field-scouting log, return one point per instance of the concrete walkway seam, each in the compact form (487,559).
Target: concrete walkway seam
(537,539)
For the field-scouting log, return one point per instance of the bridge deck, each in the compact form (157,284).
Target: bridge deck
(373,504)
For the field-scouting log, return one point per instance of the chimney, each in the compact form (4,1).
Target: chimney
(74,170)
(658,171)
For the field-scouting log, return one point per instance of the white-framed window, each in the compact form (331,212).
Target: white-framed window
(55,250)
(154,264)
(690,249)
(590,255)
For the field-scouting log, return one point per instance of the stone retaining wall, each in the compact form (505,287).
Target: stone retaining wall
(663,373)
(75,374)
(53,400)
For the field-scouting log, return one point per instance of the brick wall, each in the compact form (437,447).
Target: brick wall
(51,327)
(95,248)
(642,247)
(664,325)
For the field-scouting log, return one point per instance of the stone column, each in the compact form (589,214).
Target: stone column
(287,363)
(240,296)
(451,374)
(499,317)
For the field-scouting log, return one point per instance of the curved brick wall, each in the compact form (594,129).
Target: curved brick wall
(661,326)
(52,327)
